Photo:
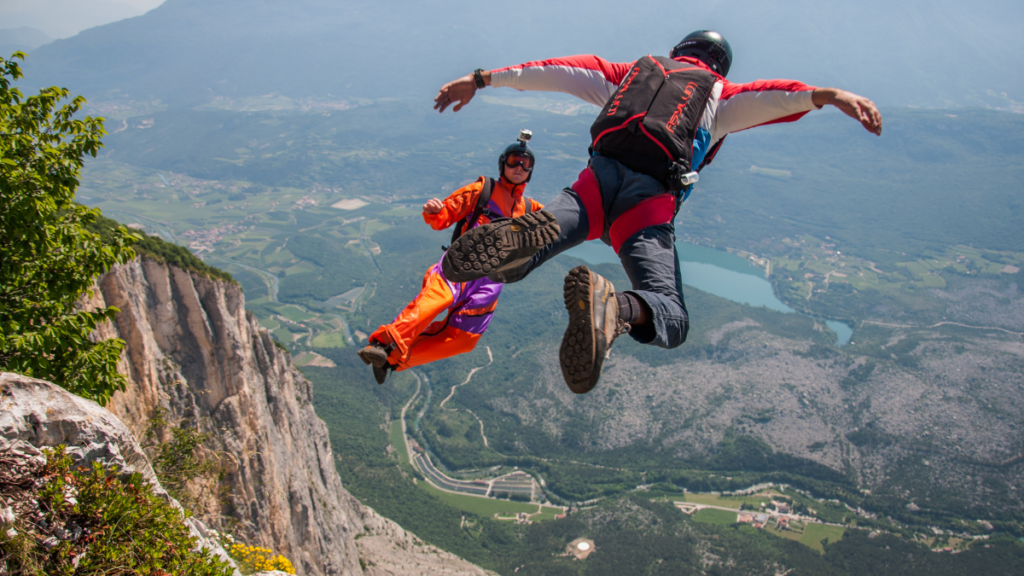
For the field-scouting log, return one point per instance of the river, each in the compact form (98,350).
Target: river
(725,275)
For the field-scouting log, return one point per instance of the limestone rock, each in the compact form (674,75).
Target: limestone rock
(35,414)
(194,351)
(388,550)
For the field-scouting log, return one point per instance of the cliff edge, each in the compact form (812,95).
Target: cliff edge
(194,352)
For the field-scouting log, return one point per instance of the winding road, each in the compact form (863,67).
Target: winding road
(1021,334)
(490,360)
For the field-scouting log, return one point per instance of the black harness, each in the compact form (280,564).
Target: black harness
(481,209)
(650,122)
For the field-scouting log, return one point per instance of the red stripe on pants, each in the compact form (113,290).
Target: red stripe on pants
(650,212)
(590,193)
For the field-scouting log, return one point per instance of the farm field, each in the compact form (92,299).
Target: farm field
(488,507)
(245,229)
(812,535)
(713,516)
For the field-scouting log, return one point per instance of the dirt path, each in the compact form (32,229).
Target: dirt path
(490,360)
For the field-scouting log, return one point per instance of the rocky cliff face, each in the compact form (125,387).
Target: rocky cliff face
(193,351)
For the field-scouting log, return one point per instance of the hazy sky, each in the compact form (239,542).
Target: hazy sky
(63,18)
(898,52)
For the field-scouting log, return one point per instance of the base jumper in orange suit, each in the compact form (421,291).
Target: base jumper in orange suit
(414,338)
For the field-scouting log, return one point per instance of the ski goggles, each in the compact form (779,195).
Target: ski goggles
(522,160)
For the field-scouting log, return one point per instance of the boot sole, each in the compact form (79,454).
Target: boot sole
(576,355)
(485,249)
(380,374)
(377,360)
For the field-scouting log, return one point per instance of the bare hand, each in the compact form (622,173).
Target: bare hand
(433,206)
(857,107)
(461,91)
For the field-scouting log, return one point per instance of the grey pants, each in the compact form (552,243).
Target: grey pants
(648,256)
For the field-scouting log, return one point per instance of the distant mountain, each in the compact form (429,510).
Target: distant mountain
(21,39)
(64,18)
(187,52)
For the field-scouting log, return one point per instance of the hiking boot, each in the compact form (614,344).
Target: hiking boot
(498,246)
(376,354)
(593,325)
(380,373)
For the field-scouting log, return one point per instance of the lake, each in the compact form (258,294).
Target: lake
(725,275)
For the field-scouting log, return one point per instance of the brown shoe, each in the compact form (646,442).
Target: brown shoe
(376,355)
(498,246)
(593,325)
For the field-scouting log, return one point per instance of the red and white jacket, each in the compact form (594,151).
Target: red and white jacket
(731,107)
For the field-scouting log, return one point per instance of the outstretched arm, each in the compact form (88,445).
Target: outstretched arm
(857,107)
(461,90)
(586,77)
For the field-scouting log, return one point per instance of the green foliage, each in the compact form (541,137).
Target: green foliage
(49,258)
(858,555)
(181,464)
(125,528)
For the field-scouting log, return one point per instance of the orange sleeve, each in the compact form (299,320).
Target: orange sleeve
(535,206)
(456,206)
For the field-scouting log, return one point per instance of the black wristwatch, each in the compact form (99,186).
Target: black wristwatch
(478,77)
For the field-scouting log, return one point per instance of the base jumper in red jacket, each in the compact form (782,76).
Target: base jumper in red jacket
(414,338)
(645,154)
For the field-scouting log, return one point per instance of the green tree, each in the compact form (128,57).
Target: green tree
(48,260)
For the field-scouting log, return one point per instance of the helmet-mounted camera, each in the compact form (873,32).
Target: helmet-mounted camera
(519,150)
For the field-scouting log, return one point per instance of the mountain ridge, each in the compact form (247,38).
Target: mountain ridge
(185,52)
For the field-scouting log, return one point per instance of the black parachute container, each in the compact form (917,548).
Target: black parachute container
(650,122)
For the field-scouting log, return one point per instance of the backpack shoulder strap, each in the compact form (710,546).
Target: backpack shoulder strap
(481,205)
(485,196)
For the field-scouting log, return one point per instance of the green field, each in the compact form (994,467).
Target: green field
(295,313)
(723,501)
(398,441)
(329,340)
(714,516)
(812,535)
(270,323)
(815,533)
(486,507)
(300,268)
(283,335)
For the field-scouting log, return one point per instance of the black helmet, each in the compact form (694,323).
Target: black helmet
(707,46)
(519,147)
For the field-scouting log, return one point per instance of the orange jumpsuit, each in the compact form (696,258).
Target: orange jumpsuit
(470,305)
